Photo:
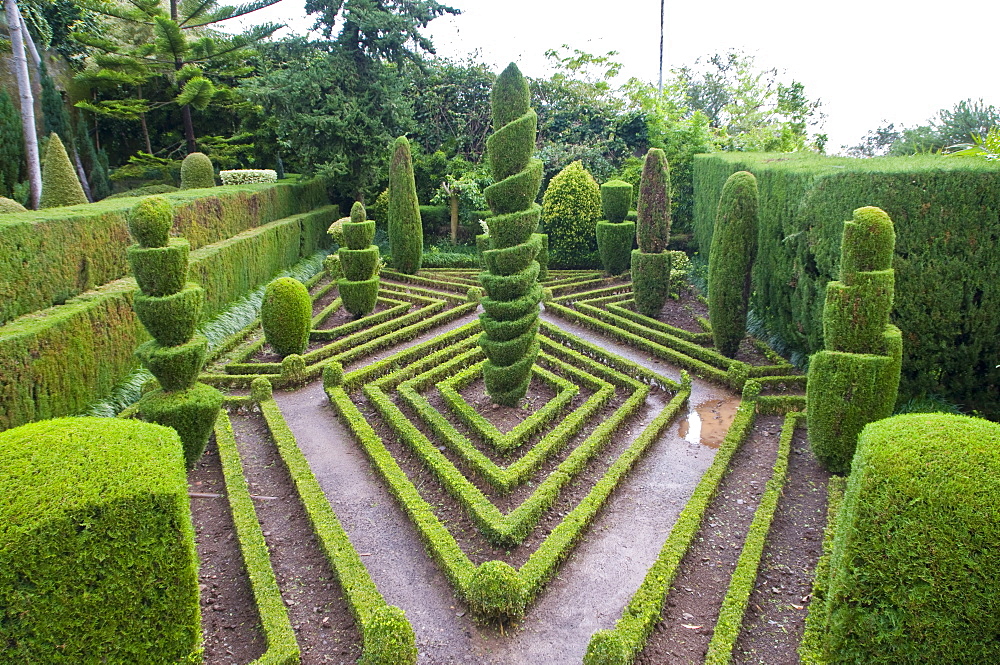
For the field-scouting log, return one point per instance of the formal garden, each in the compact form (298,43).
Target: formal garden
(714,405)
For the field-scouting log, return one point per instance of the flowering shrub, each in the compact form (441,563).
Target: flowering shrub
(248,176)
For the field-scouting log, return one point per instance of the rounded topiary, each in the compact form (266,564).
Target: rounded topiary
(10,205)
(607,647)
(293,367)
(197,171)
(651,262)
(60,184)
(334,268)
(286,316)
(333,374)
(497,592)
(358,213)
(616,200)
(97,552)
(734,247)
(191,412)
(571,208)
(406,235)
(913,570)
(389,638)
(160,271)
(149,221)
(359,297)
(360,262)
(261,389)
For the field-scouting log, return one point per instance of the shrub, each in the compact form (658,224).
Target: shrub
(197,171)
(570,210)
(149,221)
(389,638)
(175,367)
(10,205)
(614,243)
(286,316)
(497,592)
(261,389)
(734,247)
(616,200)
(913,570)
(94,512)
(651,262)
(148,190)
(406,240)
(60,184)
(192,412)
(171,319)
(359,262)
(160,270)
(248,176)
(333,374)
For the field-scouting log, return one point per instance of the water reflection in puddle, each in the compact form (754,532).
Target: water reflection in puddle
(708,422)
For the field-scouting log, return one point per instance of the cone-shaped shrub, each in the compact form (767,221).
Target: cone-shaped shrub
(854,380)
(197,171)
(360,261)
(734,247)
(570,210)
(60,184)
(406,234)
(511,280)
(10,205)
(170,309)
(651,262)
(286,316)
(913,570)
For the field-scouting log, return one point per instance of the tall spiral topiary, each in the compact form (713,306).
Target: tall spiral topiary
(286,316)
(854,380)
(614,234)
(60,184)
(734,247)
(197,171)
(358,287)
(510,320)
(571,207)
(406,232)
(169,307)
(651,262)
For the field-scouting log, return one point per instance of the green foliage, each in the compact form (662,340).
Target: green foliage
(358,236)
(389,638)
(171,319)
(12,161)
(614,243)
(653,208)
(175,367)
(286,316)
(10,206)
(570,210)
(333,374)
(150,220)
(734,247)
(260,389)
(191,412)
(406,239)
(650,281)
(60,184)
(197,171)
(359,296)
(912,572)
(148,190)
(95,513)
(616,200)
(248,176)
(160,271)
(497,592)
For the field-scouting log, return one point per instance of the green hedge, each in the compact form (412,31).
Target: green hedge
(947,215)
(49,256)
(97,553)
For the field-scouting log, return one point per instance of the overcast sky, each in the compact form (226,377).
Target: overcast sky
(866,60)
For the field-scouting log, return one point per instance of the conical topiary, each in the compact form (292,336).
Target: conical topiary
(406,234)
(60,184)
(358,287)
(651,262)
(614,234)
(197,171)
(10,205)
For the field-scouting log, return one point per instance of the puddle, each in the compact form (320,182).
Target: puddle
(708,422)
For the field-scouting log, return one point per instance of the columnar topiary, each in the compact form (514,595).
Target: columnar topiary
(97,552)
(197,171)
(614,234)
(169,308)
(855,379)
(510,321)
(60,184)
(913,573)
(734,247)
(570,210)
(358,287)
(406,234)
(286,316)
(651,262)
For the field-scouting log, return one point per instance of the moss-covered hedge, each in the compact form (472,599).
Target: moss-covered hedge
(947,215)
(97,554)
(49,256)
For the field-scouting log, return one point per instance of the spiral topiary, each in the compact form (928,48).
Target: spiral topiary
(854,380)
(734,247)
(359,261)
(570,210)
(406,231)
(170,308)
(651,262)
(197,171)
(614,234)
(286,316)
(512,269)
(60,184)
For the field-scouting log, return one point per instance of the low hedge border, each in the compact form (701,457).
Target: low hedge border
(458,286)
(616,290)
(621,644)
(282,647)
(369,608)
(734,604)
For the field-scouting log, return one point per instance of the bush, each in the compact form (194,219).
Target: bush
(616,200)
(614,243)
(10,206)
(248,176)
(175,367)
(197,171)
(191,412)
(650,281)
(497,592)
(95,513)
(148,190)
(406,239)
(60,184)
(160,270)
(171,319)
(913,570)
(651,263)
(570,210)
(734,247)
(149,221)
(359,296)
(286,316)
(261,389)
(359,262)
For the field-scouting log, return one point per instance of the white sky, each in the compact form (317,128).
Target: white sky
(866,60)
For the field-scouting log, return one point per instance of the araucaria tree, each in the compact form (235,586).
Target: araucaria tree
(406,234)
(734,247)
(651,262)
(854,380)
(510,322)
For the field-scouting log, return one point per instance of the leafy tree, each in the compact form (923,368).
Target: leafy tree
(451,107)
(11,146)
(959,125)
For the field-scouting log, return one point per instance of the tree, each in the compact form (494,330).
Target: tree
(11,146)
(959,125)
(26,99)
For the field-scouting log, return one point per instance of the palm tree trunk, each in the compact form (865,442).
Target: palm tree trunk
(26,99)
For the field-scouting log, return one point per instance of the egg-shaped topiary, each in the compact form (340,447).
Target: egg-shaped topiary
(149,221)
(197,171)
(286,316)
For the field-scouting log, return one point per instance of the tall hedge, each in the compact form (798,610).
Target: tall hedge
(571,208)
(913,574)
(406,236)
(947,214)
(651,262)
(734,246)
(510,322)
(60,184)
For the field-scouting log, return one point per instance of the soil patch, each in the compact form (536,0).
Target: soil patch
(505,418)
(683,312)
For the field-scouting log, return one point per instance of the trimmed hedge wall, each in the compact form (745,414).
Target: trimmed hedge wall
(77,248)
(947,216)
(99,330)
